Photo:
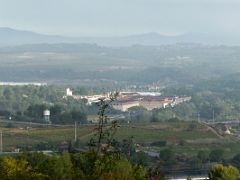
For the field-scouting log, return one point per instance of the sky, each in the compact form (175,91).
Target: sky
(121,17)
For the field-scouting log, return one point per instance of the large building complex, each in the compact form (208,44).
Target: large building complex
(127,100)
(147,101)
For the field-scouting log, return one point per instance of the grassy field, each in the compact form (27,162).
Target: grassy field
(185,137)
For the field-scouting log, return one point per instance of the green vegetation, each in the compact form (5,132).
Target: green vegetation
(114,151)
(106,164)
(27,103)
(216,99)
(224,173)
(200,144)
(142,133)
(87,166)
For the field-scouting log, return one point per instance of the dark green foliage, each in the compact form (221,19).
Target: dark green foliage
(139,114)
(156,173)
(168,157)
(127,147)
(195,163)
(203,156)
(192,126)
(159,143)
(216,155)
(167,154)
(173,120)
(27,103)
(236,160)
(140,158)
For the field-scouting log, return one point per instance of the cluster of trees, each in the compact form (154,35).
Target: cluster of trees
(89,165)
(170,160)
(59,114)
(27,103)
(213,98)
(16,99)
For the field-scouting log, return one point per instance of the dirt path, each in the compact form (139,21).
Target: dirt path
(212,130)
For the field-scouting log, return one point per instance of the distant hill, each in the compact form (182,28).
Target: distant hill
(12,37)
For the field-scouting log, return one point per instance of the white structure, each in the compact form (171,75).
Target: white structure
(46,115)
(94,99)
(69,92)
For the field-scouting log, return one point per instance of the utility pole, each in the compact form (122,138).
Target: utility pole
(213,116)
(1,142)
(75,137)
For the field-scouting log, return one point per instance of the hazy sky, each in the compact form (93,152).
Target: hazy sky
(121,17)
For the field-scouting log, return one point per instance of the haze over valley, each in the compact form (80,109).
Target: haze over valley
(120,90)
(54,61)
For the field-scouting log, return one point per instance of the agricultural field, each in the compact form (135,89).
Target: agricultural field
(185,137)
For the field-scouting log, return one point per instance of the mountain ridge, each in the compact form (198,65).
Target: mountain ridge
(13,37)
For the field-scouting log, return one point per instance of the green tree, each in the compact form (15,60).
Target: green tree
(220,172)
(12,169)
(55,167)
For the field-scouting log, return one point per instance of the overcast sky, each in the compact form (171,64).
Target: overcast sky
(121,17)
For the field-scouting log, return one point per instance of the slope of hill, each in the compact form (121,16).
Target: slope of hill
(10,37)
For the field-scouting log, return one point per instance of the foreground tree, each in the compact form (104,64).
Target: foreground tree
(12,169)
(220,172)
(105,159)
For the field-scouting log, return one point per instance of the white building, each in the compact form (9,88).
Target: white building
(69,92)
